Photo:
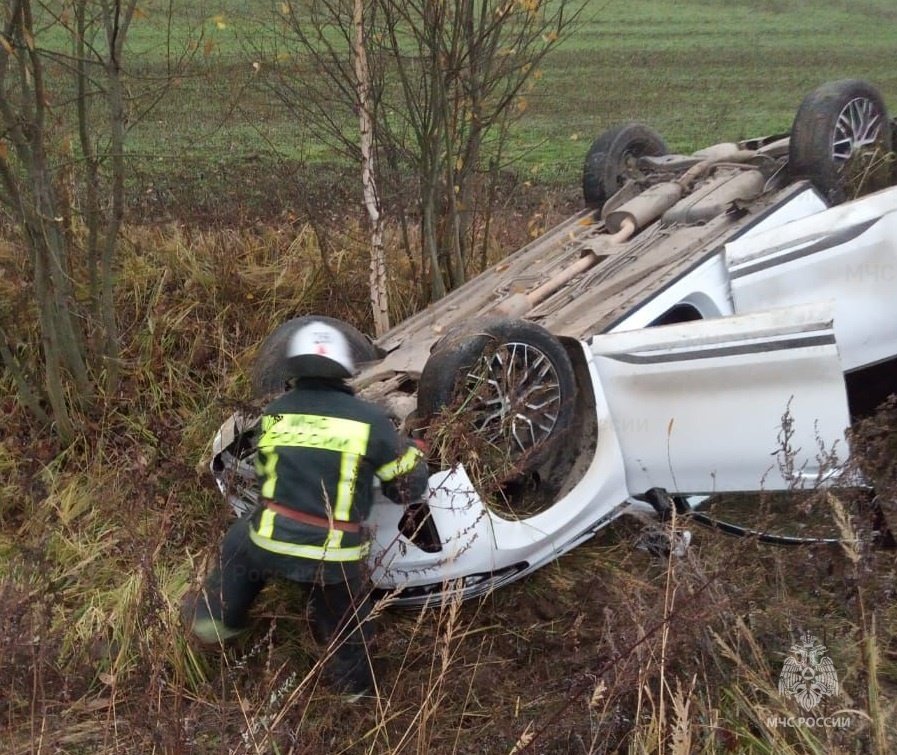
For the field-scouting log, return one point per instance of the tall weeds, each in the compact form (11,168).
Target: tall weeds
(607,650)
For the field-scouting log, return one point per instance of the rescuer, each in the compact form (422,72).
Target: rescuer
(319,449)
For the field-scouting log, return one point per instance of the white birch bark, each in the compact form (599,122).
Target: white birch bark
(379,295)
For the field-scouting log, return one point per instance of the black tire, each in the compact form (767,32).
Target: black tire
(840,130)
(270,374)
(611,160)
(513,385)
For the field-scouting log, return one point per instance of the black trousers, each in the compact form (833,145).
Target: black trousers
(339,609)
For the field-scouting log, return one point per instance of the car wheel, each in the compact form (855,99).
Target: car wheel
(613,158)
(840,140)
(508,386)
(270,373)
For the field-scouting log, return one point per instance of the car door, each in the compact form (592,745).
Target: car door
(732,404)
(847,254)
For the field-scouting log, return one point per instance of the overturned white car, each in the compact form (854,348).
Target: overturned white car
(704,313)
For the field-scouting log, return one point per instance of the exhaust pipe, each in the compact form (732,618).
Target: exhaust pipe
(519,304)
(645,208)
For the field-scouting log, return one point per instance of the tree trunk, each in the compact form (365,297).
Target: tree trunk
(379,294)
(49,319)
(91,199)
(113,227)
(430,242)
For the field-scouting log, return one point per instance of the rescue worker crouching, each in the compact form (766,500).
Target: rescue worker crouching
(318,452)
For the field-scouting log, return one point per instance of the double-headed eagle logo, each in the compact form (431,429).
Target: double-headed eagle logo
(807,674)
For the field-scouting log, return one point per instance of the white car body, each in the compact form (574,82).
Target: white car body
(694,408)
(783,301)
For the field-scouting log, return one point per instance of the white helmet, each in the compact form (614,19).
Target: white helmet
(319,350)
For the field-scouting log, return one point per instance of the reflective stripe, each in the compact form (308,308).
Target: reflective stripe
(345,496)
(345,489)
(403,465)
(266,524)
(348,437)
(315,431)
(267,470)
(315,552)
(211,630)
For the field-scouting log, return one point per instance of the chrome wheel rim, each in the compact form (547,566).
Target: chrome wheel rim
(859,125)
(516,396)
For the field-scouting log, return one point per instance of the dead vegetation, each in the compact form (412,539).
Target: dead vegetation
(607,650)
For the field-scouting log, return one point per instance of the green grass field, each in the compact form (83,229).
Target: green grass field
(696,70)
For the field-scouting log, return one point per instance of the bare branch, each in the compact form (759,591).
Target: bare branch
(26,394)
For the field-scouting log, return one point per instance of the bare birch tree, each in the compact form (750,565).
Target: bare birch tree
(445,83)
(379,294)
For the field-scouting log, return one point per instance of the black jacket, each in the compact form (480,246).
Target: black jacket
(318,453)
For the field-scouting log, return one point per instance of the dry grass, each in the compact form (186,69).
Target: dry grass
(606,650)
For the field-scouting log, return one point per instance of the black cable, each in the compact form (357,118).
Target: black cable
(762,537)
(664,504)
